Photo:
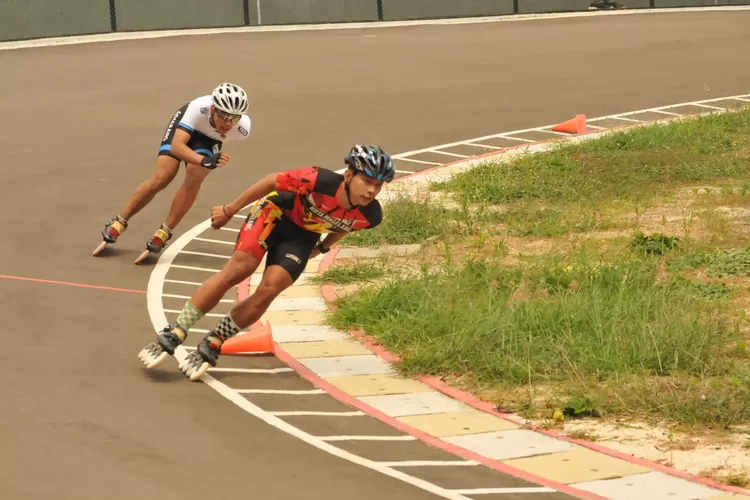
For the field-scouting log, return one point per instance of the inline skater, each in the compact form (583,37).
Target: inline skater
(292,210)
(195,136)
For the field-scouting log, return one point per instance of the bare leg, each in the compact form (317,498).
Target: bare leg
(240,266)
(187,194)
(275,280)
(164,173)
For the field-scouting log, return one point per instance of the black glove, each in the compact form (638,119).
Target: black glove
(208,162)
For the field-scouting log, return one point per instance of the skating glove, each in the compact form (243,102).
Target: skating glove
(209,162)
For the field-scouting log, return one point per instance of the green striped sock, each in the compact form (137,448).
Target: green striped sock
(189,316)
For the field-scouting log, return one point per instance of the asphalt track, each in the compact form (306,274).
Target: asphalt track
(83,124)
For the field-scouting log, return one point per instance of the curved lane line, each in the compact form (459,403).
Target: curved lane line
(159,319)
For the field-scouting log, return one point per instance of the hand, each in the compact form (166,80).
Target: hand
(222,160)
(220,216)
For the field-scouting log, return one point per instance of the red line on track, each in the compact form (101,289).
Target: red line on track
(68,283)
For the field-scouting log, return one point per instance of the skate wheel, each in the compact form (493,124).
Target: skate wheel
(152,355)
(142,257)
(99,248)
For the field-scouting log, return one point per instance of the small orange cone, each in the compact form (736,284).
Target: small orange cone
(575,125)
(258,339)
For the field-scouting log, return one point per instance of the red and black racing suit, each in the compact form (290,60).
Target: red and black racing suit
(288,222)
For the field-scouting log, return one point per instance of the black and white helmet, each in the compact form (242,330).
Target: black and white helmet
(230,98)
(371,161)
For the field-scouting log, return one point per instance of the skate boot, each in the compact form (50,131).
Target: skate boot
(156,243)
(112,230)
(206,354)
(165,344)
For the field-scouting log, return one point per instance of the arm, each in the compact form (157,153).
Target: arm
(181,150)
(255,192)
(331,239)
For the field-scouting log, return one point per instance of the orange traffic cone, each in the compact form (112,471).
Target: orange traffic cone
(575,125)
(258,339)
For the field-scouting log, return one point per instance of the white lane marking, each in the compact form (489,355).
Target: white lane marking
(180,282)
(625,119)
(708,106)
(317,414)
(431,463)
(281,391)
(205,254)
(420,161)
(230,229)
(508,136)
(476,141)
(449,154)
(209,240)
(142,35)
(187,297)
(490,491)
(159,320)
(479,145)
(196,268)
(406,437)
(250,370)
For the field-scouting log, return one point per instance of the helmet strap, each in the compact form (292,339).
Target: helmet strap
(348,194)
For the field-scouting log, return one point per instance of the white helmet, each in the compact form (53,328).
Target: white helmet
(230,98)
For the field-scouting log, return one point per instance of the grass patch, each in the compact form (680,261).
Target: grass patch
(628,165)
(594,323)
(356,272)
(601,278)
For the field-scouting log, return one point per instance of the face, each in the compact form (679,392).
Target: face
(363,189)
(223,122)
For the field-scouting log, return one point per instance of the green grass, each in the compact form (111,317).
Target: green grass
(628,165)
(645,322)
(529,324)
(358,272)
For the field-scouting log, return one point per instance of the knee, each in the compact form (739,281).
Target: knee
(240,266)
(159,181)
(265,293)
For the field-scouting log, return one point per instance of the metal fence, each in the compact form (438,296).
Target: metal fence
(27,19)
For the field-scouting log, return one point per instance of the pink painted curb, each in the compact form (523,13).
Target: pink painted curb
(422,436)
(243,291)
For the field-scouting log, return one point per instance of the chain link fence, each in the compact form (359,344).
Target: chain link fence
(27,19)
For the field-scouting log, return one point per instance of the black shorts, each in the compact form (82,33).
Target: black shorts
(268,230)
(198,142)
